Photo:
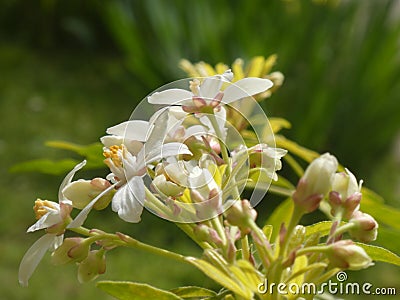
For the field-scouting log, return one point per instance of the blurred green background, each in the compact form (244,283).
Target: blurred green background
(70,69)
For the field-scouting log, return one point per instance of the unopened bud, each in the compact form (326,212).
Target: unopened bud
(166,187)
(71,250)
(347,255)
(268,158)
(92,266)
(241,214)
(366,229)
(315,183)
(345,195)
(81,192)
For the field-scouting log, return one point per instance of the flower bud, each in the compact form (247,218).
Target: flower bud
(347,255)
(241,214)
(81,192)
(166,187)
(315,183)
(268,158)
(72,250)
(207,234)
(92,266)
(366,229)
(345,195)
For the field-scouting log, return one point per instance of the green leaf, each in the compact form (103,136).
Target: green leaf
(268,229)
(381,254)
(193,292)
(389,238)
(46,166)
(92,152)
(278,123)
(220,277)
(294,148)
(323,228)
(382,213)
(125,290)
(281,214)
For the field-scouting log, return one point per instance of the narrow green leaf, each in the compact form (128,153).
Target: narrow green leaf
(92,152)
(389,239)
(381,254)
(124,290)
(281,214)
(220,277)
(382,213)
(323,228)
(279,123)
(268,229)
(193,292)
(46,166)
(294,148)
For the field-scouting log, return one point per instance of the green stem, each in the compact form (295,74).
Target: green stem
(342,229)
(218,132)
(263,239)
(245,248)
(294,220)
(132,243)
(280,190)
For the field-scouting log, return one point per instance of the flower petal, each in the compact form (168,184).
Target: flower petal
(128,200)
(246,87)
(171,96)
(169,149)
(33,257)
(79,192)
(68,179)
(131,130)
(210,87)
(81,217)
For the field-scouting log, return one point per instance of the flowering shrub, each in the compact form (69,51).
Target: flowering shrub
(187,154)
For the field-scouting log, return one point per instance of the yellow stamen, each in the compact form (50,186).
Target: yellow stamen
(40,208)
(113,153)
(194,86)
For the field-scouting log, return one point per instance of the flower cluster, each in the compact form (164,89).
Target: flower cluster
(190,162)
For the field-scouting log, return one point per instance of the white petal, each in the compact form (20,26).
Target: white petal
(49,219)
(210,87)
(79,192)
(196,130)
(127,201)
(111,140)
(171,96)
(169,149)
(68,179)
(33,257)
(246,87)
(131,130)
(81,217)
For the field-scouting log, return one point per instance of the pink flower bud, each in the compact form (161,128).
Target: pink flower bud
(315,183)
(345,195)
(72,250)
(366,229)
(347,255)
(92,266)
(241,214)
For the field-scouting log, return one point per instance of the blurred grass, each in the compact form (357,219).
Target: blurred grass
(70,69)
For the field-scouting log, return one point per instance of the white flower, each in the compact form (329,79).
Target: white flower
(123,134)
(209,92)
(53,217)
(128,170)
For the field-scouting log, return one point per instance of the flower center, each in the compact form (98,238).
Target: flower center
(40,208)
(113,153)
